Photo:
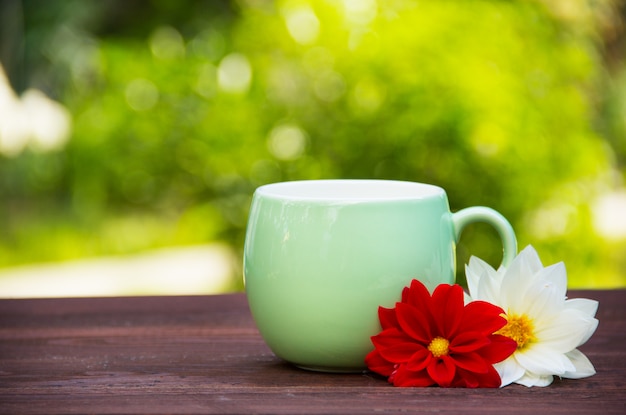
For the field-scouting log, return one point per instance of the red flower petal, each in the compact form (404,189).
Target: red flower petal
(448,305)
(390,337)
(466,342)
(442,371)
(394,345)
(499,349)
(376,363)
(407,378)
(399,353)
(406,293)
(466,379)
(472,362)
(414,323)
(418,296)
(482,316)
(420,360)
(387,317)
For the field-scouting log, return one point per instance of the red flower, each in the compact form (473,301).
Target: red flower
(438,340)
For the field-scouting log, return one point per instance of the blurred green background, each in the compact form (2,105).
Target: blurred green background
(173,112)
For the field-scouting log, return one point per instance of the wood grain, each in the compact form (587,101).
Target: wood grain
(204,355)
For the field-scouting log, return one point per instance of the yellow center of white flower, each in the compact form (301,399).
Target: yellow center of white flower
(518,328)
(439,346)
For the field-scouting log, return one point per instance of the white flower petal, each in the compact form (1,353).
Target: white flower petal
(483,281)
(520,275)
(584,368)
(512,291)
(565,331)
(586,306)
(531,379)
(542,299)
(475,271)
(555,275)
(489,289)
(509,371)
(591,328)
(541,360)
(531,257)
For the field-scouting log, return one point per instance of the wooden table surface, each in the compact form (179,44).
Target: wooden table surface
(204,354)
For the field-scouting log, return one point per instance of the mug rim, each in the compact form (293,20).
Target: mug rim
(349,190)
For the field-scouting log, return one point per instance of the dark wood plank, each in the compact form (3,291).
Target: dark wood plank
(204,355)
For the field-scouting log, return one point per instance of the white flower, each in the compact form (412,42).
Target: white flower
(546,326)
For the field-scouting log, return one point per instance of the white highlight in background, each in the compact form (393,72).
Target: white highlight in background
(234,74)
(32,120)
(194,270)
(609,215)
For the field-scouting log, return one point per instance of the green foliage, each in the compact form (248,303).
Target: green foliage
(493,101)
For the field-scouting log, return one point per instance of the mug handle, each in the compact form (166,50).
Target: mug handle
(487,215)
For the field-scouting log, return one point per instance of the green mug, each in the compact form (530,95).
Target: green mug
(321,256)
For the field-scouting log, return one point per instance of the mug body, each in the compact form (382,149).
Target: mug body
(320,257)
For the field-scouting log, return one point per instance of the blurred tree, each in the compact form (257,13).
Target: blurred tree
(181,109)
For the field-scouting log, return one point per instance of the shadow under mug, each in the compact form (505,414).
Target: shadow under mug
(321,256)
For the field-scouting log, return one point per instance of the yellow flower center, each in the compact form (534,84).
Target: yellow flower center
(518,328)
(439,346)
